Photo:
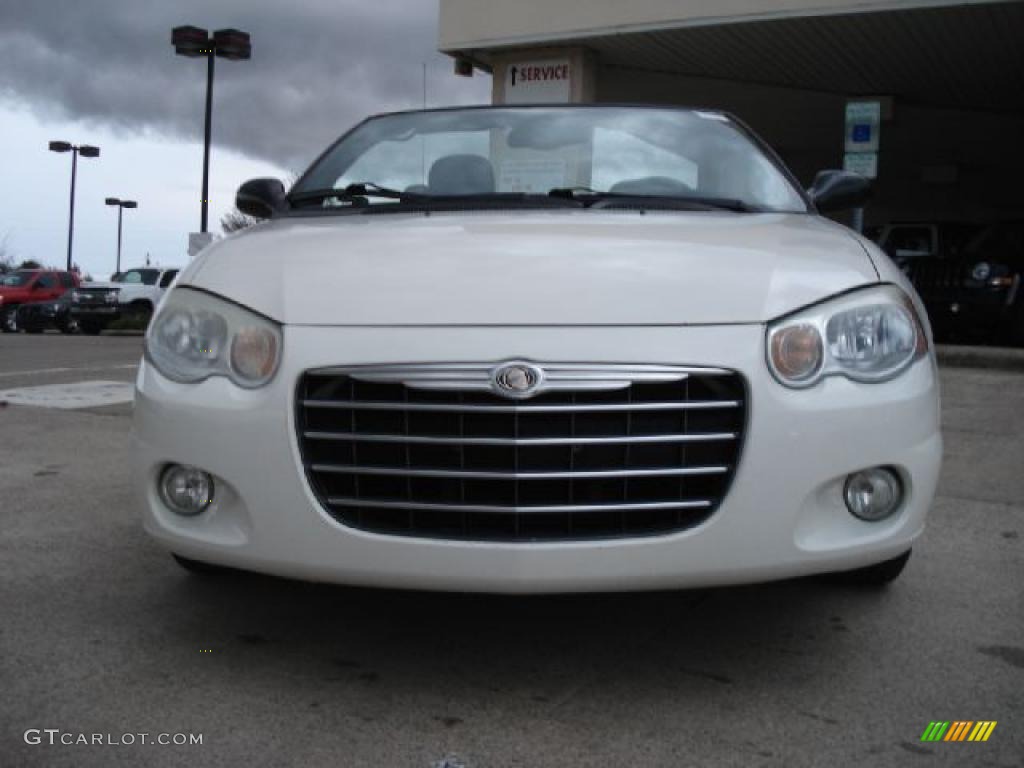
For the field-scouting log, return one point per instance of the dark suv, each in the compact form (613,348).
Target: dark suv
(905,241)
(29,286)
(977,294)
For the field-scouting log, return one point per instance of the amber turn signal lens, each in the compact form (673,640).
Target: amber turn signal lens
(797,352)
(254,354)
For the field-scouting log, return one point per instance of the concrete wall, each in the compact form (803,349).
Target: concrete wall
(468,24)
(933,163)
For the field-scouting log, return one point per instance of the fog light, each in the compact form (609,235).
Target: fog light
(186,490)
(873,494)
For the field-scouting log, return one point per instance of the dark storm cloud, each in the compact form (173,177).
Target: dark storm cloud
(318,66)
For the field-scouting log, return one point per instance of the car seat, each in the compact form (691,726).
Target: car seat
(461,175)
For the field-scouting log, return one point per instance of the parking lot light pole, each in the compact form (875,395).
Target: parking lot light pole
(195,42)
(121,205)
(85,150)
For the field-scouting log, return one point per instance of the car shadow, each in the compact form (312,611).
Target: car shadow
(543,647)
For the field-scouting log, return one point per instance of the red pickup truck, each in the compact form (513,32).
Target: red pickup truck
(28,286)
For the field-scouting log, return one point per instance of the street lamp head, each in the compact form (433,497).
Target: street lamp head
(232,44)
(60,146)
(113,201)
(129,204)
(87,150)
(191,41)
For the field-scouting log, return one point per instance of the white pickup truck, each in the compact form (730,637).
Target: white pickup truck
(131,294)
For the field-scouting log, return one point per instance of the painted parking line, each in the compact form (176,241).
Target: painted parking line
(117,367)
(82,394)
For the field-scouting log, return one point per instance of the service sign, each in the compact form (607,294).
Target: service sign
(538,82)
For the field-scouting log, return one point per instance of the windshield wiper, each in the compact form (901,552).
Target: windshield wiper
(354,192)
(592,198)
(358,192)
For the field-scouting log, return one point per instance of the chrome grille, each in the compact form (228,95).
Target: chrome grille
(601,451)
(934,276)
(86,296)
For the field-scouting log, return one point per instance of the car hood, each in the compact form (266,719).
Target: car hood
(534,268)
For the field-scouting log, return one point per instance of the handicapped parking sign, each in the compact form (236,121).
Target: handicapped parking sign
(863,121)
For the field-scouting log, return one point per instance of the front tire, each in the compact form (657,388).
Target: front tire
(199,568)
(1014,333)
(874,576)
(90,328)
(139,312)
(9,319)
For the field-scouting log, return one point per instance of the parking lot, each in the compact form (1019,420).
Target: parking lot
(102,633)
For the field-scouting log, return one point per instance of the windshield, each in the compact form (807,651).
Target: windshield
(1004,240)
(17,279)
(530,151)
(136,276)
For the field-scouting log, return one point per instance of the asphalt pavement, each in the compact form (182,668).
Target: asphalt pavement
(101,634)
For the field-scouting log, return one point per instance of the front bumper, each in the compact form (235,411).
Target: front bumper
(973,314)
(783,516)
(40,313)
(105,312)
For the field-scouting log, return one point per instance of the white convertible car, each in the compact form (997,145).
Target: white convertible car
(541,349)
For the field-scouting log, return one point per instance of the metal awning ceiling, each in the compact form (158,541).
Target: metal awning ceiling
(969,56)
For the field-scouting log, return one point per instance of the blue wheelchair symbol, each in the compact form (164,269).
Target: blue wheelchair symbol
(861,133)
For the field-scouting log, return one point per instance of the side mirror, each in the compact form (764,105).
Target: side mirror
(262,198)
(839,190)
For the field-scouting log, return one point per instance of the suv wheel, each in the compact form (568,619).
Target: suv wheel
(9,319)
(139,311)
(1015,325)
(90,327)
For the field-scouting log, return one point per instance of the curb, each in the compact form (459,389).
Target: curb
(991,358)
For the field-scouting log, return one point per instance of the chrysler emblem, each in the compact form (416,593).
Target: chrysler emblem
(516,380)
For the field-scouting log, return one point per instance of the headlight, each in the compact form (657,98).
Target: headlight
(981,271)
(196,336)
(869,336)
(111,297)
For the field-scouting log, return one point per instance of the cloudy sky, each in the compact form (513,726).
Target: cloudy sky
(103,72)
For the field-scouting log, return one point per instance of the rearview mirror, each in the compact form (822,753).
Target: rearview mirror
(262,198)
(839,190)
